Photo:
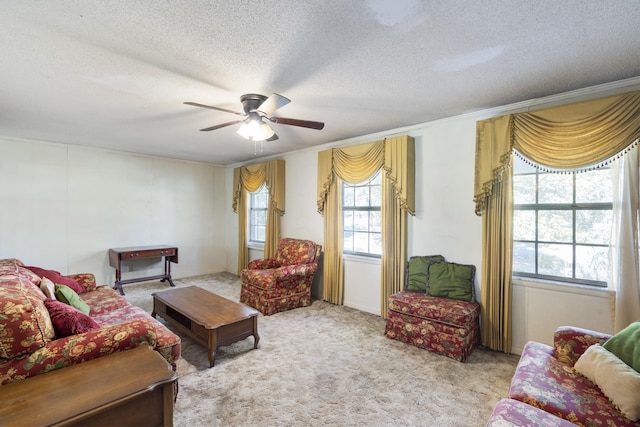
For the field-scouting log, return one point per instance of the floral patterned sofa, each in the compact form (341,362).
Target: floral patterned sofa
(437,309)
(549,389)
(271,285)
(38,336)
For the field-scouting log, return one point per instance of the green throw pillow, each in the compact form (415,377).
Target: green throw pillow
(451,280)
(626,345)
(68,296)
(416,274)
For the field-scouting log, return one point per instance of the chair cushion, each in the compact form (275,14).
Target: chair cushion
(449,311)
(295,251)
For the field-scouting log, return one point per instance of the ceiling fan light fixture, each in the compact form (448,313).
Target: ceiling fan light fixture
(256,109)
(256,130)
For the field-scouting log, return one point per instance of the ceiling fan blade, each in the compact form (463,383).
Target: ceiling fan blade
(295,122)
(272,103)
(273,138)
(195,104)
(222,125)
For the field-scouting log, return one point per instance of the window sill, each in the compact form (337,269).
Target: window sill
(362,259)
(569,288)
(255,246)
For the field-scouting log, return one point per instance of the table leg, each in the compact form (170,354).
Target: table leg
(117,284)
(167,271)
(212,347)
(256,337)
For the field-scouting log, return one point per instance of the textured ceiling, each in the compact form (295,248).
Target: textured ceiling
(115,73)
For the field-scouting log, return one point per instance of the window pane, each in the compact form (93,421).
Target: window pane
(347,244)
(555,226)
(361,221)
(347,220)
(524,225)
(347,196)
(521,167)
(361,242)
(375,243)
(362,196)
(594,186)
(592,262)
(555,188)
(593,226)
(524,189)
(375,221)
(524,257)
(376,195)
(555,260)
(361,216)
(561,223)
(259,217)
(262,232)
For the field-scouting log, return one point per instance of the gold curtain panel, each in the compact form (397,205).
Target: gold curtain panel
(250,179)
(355,164)
(566,137)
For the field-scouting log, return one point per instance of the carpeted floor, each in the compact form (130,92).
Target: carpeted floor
(327,365)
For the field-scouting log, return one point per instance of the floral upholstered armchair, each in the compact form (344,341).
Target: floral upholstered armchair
(283,282)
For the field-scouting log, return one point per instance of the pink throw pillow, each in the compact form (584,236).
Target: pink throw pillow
(58,278)
(68,320)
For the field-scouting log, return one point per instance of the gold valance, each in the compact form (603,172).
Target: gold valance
(356,163)
(565,137)
(252,177)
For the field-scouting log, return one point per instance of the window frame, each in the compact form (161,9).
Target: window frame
(354,208)
(573,207)
(252,228)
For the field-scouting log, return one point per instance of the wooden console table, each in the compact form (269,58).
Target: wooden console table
(116,256)
(132,388)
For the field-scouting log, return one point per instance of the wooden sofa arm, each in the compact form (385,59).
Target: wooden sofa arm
(570,342)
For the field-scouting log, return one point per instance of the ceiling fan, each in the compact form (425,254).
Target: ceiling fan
(257,109)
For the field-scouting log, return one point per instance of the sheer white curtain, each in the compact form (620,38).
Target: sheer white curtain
(624,261)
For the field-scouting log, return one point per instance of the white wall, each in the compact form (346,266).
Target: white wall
(64,206)
(539,308)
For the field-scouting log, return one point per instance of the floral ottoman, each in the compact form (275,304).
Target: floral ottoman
(445,326)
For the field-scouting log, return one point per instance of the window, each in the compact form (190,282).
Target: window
(361,217)
(258,204)
(561,224)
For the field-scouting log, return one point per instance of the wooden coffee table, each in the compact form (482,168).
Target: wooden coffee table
(211,320)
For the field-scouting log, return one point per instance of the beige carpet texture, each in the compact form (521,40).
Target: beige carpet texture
(327,365)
